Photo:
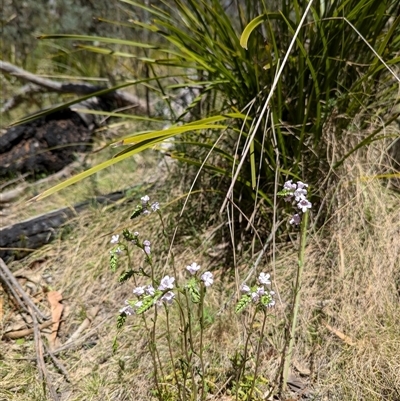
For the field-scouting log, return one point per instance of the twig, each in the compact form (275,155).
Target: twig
(43,373)
(57,363)
(14,286)
(13,335)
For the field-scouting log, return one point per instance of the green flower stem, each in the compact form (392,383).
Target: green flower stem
(154,356)
(296,301)
(242,369)
(171,355)
(189,340)
(201,310)
(249,397)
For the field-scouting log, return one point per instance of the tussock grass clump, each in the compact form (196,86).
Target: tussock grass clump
(349,318)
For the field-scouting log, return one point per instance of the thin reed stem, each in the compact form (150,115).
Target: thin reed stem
(258,356)
(296,302)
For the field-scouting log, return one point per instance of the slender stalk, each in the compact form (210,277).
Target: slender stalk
(201,308)
(296,301)
(246,346)
(258,355)
(190,340)
(171,355)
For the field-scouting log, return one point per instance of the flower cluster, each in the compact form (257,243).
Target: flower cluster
(257,294)
(145,207)
(148,296)
(298,193)
(194,284)
(207,277)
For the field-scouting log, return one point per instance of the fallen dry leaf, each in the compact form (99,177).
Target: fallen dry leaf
(54,299)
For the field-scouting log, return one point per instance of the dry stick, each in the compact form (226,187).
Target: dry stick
(66,347)
(13,284)
(39,357)
(78,88)
(57,363)
(13,335)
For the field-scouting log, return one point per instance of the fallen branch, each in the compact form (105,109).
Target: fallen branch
(14,335)
(39,230)
(43,372)
(121,97)
(18,292)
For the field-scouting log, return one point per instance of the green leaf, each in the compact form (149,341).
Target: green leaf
(101,39)
(81,176)
(193,289)
(113,261)
(244,38)
(137,212)
(121,319)
(43,113)
(125,276)
(148,302)
(243,302)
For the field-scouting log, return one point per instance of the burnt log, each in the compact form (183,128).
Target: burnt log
(49,143)
(45,145)
(17,240)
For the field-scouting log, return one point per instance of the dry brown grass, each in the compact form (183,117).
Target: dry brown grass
(348,344)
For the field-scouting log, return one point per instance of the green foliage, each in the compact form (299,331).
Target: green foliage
(294,69)
(113,260)
(137,212)
(193,289)
(147,302)
(22,22)
(243,302)
(125,276)
(121,319)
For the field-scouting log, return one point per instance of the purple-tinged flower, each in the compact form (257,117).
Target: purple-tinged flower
(167,283)
(263,278)
(300,194)
(296,219)
(146,247)
(254,297)
(301,185)
(150,290)
(207,278)
(168,297)
(115,239)
(288,185)
(155,206)
(139,291)
(245,288)
(145,200)
(304,204)
(260,291)
(118,251)
(272,302)
(127,309)
(145,212)
(136,234)
(193,268)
